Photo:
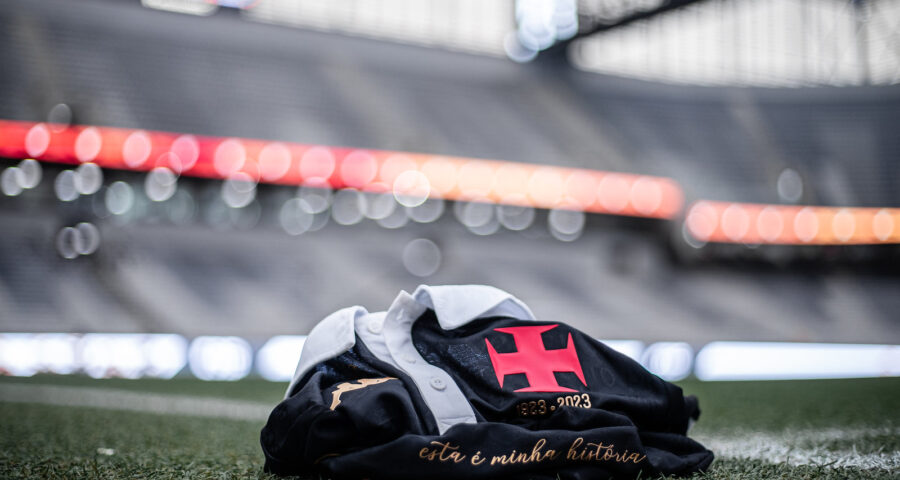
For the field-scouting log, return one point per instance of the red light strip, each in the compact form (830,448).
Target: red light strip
(452,178)
(792,225)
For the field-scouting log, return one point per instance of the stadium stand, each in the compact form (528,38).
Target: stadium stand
(120,66)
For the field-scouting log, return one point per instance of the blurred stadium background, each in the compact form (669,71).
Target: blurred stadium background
(187,188)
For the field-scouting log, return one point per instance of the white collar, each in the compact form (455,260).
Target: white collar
(454,306)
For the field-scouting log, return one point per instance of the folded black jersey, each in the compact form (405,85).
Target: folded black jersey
(462,382)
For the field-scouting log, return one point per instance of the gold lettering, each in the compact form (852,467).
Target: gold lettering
(350,386)
(571,454)
(579,450)
(451,455)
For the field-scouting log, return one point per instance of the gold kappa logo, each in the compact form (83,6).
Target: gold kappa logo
(350,386)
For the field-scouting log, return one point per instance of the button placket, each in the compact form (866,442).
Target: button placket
(438,384)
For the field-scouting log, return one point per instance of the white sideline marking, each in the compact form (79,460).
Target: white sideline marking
(791,448)
(113,399)
(794,448)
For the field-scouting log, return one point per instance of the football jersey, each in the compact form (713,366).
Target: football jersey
(463,382)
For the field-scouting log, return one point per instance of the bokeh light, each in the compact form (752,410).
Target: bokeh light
(670,361)
(119,198)
(160,184)
(229,157)
(88,144)
(136,149)
(238,190)
(429,211)
(31,173)
(220,358)
(422,257)
(566,225)
(11,181)
(37,140)
(88,178)
(278,357)
(65,186)
(348,207)
(296,216)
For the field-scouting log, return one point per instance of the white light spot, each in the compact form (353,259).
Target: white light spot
(411,188)
(90,238)
(278,358)
(669,360)
(56,352)
(566,225)
(427,212)
(119,198)
(160,184)
(64,186)
(421,257)
(296,216)
(788,361)
(379,205)
(11,181)
(18,354)
(348,207)
(317,195)
(630,348)
(31,173)
(59,117)
(68,243)
(515,217)
(88,178)
(790,185)
(238,190)
(516,51)
(166,355)
(112,355)
(474,214)
(220,358)
(398,218)
(182,207)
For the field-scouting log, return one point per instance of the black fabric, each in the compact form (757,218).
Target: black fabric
(624,423)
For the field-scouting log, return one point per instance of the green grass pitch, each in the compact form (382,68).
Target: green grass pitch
(814,429)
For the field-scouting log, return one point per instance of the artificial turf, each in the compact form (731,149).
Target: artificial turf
(44,441)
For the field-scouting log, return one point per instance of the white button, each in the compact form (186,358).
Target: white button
(409,358)
(374,327)
(437,383)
